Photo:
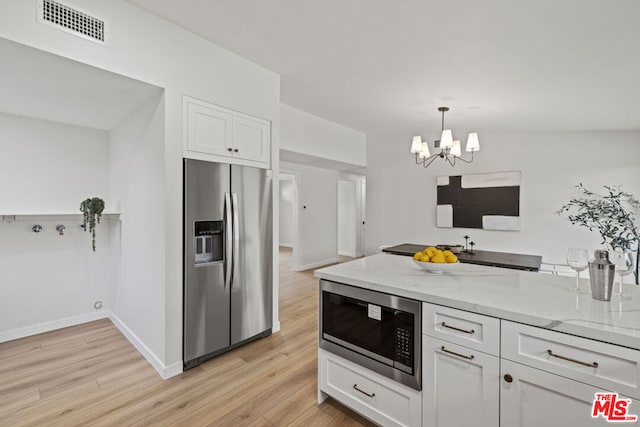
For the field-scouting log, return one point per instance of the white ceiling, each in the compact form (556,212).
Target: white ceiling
(41,85)
(383,66)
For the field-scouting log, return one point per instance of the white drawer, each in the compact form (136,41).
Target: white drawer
(378,398)
(471,330)
(592,362)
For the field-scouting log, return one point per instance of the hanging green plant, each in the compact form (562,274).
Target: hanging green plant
(91,213)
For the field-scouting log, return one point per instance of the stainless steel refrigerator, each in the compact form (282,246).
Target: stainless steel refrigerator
(227,258)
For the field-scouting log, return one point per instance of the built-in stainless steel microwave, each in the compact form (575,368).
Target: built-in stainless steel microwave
(376,330)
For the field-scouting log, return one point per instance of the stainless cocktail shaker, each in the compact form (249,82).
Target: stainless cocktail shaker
(601,274)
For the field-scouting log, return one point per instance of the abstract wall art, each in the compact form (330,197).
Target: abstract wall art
(490,201)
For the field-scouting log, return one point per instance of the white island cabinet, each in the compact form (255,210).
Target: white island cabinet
(557,375)
(509,348)
(460,376)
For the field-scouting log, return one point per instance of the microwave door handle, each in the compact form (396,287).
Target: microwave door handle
(236,236)
(228,258)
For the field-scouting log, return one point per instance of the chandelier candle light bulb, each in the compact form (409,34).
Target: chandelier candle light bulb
(425,150)
(417,144)
(455,149)
(446,140)
(472,142)
(450,149)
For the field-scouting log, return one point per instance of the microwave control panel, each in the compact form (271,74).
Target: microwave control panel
(404,349)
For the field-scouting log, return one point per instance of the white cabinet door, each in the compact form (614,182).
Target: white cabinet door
(209,130)
(460,386)
(533,398)
(251,138)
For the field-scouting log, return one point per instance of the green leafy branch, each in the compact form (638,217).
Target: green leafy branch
(612,215)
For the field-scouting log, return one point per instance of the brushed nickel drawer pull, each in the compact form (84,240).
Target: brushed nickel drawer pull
(444,325)
(456,354)
(355,387)
(579,362)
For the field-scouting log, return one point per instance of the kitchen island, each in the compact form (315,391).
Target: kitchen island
(524,349)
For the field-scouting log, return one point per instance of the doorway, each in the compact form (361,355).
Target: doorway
(347,220)
(351,197)
(288,221)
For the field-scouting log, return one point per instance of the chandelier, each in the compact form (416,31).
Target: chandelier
(449,147)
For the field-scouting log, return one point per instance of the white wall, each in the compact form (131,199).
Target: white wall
(288,207)
(48,280)
(50,167)
(320,144)
(317,223)
(137,187)
(149,49)
(308,134)
(401,197)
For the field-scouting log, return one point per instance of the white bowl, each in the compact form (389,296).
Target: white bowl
(434,267)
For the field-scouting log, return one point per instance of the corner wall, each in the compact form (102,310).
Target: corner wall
(317,215)
(136,177)
(316,149)
(310,135)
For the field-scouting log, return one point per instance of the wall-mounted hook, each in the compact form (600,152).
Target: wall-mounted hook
(36,228)
(60,229)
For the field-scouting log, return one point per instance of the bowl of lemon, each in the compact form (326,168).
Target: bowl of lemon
(436,261)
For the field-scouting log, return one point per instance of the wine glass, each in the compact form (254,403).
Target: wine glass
(578,260)
(623,259)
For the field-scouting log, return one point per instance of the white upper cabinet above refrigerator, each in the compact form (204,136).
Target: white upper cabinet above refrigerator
(251,137)
(209,129)
(218,134)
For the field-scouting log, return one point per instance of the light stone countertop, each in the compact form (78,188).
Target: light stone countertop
(531,298)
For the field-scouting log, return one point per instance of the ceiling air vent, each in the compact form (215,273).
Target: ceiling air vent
(71,20)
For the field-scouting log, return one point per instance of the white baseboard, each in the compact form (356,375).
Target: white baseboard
(317,264)
(173,370)
(276,327)
(164,371)
(346,253)
(40,328)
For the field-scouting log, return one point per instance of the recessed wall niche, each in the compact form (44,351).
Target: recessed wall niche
(68,131)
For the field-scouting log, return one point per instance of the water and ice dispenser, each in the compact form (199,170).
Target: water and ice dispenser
(208,241)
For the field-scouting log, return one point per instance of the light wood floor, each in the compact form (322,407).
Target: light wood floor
(91,375)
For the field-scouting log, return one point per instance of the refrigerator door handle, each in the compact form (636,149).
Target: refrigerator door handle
(228,262)
(236,235)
